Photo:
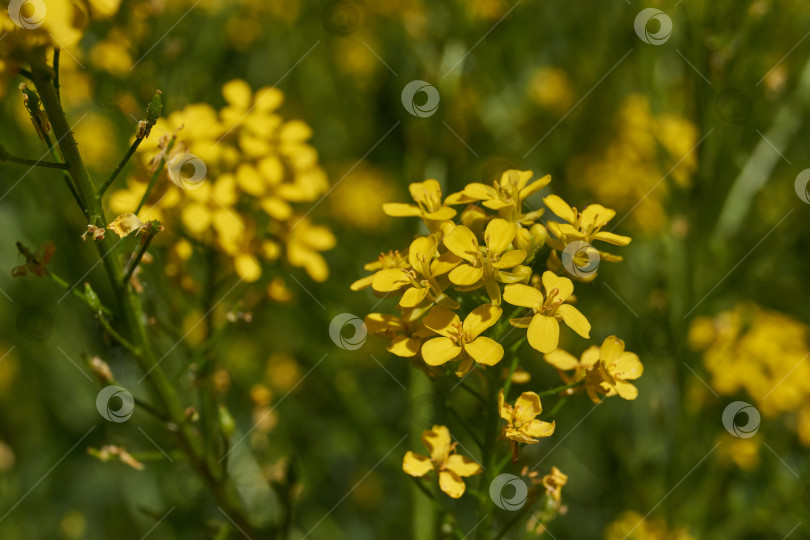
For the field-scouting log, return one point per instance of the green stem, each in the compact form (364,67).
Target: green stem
(130,304)
(116,336)
(133,147)
(488,456)
(423,516)
(76,292)
(559,389)
(135,260)
(34,162)
(155,175)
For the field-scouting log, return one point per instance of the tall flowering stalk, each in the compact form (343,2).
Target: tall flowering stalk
(451,291)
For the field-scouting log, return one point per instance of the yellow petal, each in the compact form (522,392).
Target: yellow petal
(416,465)
(249,180)
(626,390)
(401,210)
(521,295)
(413,297)
(561,359)
(535,186)
(564,286)
(465,275)
(378,323)
(276,208)
(628,367)
(125,224)
(544,333)
(527,406)
(462,466)
(480,191)
(421,252)
(404,346)
(499,234)
(441,320)
(463,243)
(442,214)
(590,356)
(247,267)
(237,93)
(594,216)
(504,409)
(421,191)
(575,320)
(611,350)
(361,283)
(560,207)
(439,351)
(481,318)
(485,351)
(390,279)
(510,259)
(437,441)
(451,484)
(538,428)
(444,263)
(610,238)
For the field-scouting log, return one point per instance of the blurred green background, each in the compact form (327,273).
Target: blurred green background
(696,142)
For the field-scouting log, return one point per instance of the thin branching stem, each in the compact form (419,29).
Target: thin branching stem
(132,148)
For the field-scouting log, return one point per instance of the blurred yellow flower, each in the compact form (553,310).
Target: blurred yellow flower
(358,199)
(444,461)
(631,525)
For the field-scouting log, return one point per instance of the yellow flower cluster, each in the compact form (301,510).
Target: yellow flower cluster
(645,149)
(258,169)
(631,525)
(451,286)
(444,461)
(761,352)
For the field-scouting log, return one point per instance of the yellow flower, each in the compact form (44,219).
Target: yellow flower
(565,361)
(505,195)
(429,205)
(463,340)
(543,326)
(486,265)
(521,424)
(444,461)
(405,336)
(615,368)
(391,259)
(585,226)
(554,482)
(419,285)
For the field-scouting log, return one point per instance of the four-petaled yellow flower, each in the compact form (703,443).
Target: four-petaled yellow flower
(429,206)
(615,368)
(505,195)
(463,340)
(565,362)
(449,466)
(391,259)
(420,284)
(543,325)
(521,424)
(486,265)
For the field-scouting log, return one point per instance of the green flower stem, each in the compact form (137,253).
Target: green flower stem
(423,512)
(132,148)
(129,302)
(559,389)
(490,439)
(76,292)
(116,336)
(153,179)
(135,260)
(466,426)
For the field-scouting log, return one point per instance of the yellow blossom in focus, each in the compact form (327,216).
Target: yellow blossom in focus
(388,260)
(450,467)
(429,205)
(464,340)
(521,424)
(611,374)
(405,336)
(543,323)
